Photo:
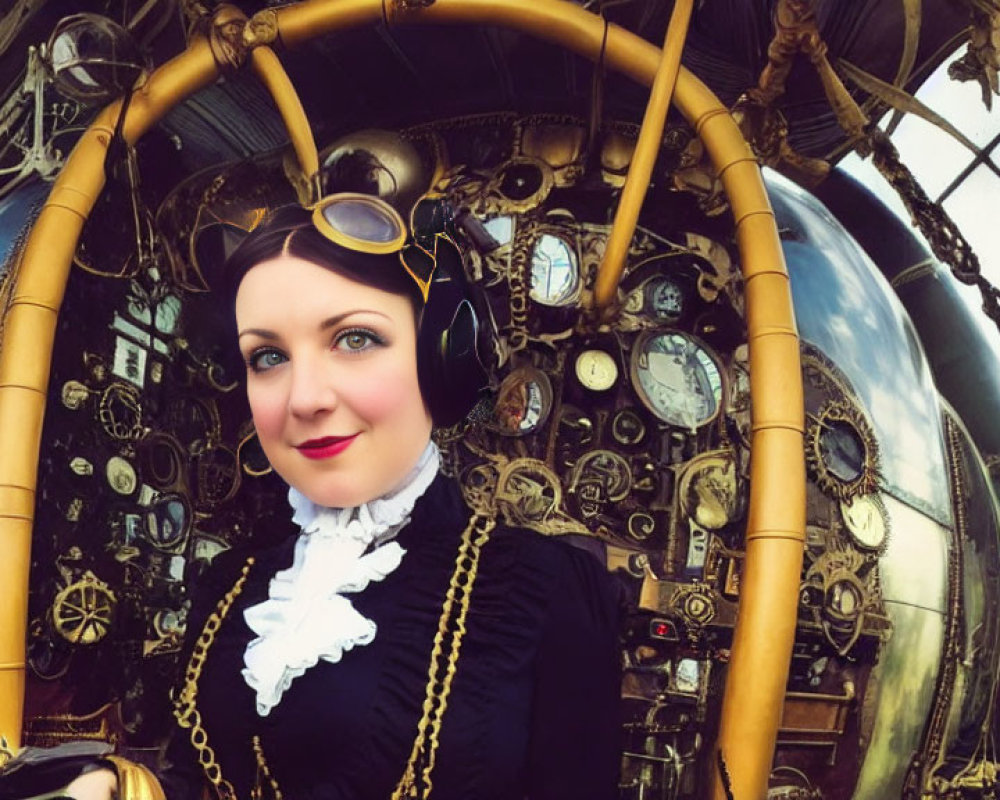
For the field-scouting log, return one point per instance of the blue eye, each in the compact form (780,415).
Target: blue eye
(264,359)
(357,340)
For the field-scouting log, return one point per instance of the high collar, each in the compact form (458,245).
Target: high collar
(376,520)
(307,616)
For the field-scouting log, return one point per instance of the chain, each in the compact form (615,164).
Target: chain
(263,771)
(186,707)
(451,629)
(947,242)
(444,665)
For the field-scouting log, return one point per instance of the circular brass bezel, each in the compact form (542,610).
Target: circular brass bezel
(337,236)
(83,611)
(879,512)
(604,360)
(638,350)
(841,411)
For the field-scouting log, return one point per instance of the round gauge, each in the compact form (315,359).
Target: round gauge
(121,475)
(520,180)
(844,599)
(666,298)
(628,427)
(167,521)
(523,402)
(555,277)
(687,676)
(596,370)
(842,450)
(677,378)
(865,518)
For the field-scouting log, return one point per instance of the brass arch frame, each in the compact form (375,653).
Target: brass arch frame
(765,628)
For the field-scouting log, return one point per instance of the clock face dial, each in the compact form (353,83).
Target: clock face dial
(596,370)
(677,378)
(865,519)
(555,277)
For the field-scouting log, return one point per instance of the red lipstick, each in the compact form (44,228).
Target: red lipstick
(327,447)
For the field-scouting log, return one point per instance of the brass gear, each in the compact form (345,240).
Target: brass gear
(83,611)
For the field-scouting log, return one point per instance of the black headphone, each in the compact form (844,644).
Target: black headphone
(455,340)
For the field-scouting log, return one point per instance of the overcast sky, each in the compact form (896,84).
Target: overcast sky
(936,159)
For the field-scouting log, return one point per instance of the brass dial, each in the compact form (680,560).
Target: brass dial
(83,611)
(596,370)
(865,518)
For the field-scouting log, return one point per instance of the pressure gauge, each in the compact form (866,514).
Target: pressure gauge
(866,520)
(121,475)
(523,402)
(666,298)
(596,370)
(555,276)
(167,521)
(677,378)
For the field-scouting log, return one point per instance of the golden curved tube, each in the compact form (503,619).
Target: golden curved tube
(26,349)
(647,148)
(776,522)
(272,74)
(135,781)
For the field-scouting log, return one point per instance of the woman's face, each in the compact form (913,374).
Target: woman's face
(331,379)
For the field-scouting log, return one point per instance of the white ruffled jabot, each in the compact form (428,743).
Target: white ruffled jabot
(306,616)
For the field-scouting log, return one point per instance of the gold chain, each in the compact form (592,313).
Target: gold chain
(451,629)
(443,666)
(185,706)
(263,771)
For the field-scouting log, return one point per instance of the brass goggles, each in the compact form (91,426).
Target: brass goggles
(367,224)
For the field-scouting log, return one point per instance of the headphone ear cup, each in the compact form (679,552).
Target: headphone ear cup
(450,359)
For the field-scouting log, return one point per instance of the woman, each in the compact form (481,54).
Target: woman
(401,645)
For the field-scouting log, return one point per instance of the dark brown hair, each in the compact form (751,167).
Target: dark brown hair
(289,230)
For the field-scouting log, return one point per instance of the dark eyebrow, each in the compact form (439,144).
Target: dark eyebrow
(326,324)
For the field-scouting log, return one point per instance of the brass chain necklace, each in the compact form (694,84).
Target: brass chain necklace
(186,704)
(416,779)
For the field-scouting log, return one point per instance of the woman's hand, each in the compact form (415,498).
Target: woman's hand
(99,784)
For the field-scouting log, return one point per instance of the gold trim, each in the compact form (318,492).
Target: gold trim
(451,630)
(135,781)
(838,487)
(186,705)
(353,243)
(263,771)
